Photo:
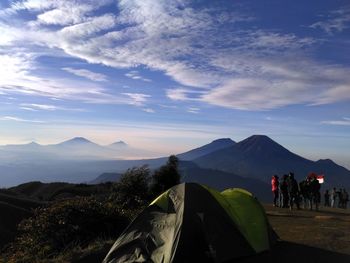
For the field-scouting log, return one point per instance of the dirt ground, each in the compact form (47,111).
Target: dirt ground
(308,236)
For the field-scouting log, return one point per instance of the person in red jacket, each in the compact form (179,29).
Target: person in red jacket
(274,188)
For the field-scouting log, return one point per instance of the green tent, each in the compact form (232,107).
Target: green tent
(194,223)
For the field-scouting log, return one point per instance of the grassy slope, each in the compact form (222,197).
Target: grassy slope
(10,216)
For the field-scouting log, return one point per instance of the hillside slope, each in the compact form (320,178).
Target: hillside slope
(13,209)
(206,149)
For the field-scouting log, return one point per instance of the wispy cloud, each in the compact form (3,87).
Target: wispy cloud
(87,74)
(137,99)
(149,110)
(184,94)
(343,122)
(134,74)
(17,78)
(193,110)
(12,118)
(35,107)
(247,69)
(337,21)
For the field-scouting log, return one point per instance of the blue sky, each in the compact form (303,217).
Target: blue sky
(173,75)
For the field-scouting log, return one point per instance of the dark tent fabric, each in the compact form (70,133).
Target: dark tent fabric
(194,223)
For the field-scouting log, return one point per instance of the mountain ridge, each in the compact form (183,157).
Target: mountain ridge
(207,148)
(258,156)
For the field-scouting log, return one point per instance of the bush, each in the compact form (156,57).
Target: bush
(66,224)
(131,192)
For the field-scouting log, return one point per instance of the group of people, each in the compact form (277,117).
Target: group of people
(331,198)
(287,192)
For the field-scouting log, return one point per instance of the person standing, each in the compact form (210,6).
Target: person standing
(274,188)
(346,198)
(333,196)
(284,192)
(315,187)
(293,191)
(326,198)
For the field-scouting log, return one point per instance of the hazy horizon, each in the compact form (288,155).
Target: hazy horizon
(151,153)
(170,76)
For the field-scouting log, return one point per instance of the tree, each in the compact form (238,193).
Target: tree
(166,176)
(132,189)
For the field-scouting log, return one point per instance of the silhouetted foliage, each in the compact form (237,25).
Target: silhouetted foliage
(91,213)
(65,224)
(166,176)
(132,189)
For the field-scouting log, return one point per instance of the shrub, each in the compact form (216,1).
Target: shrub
(65,224)
(131,192)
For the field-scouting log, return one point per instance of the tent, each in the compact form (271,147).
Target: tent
(194,223)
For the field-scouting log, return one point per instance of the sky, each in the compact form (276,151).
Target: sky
(173,75)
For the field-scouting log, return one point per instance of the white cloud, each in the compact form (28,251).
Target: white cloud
(17,79)
(42,106)
(134,74)
(337,21)
(272,41)
(27,108)
(137,99)
(59,17)
(148,110)
(337,93)
(344,122)
(193,110)
(87,74)
(89,28)
(250,69)
(12,118)
(35,107)
(183,94)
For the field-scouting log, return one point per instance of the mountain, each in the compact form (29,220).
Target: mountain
(77,141)
(80,160)
(190,172)
(82,148)
(78,149)
(260,157)
(24,147)
(206,149)
(119,144)
(106,177)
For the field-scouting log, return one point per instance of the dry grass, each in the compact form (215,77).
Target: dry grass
(308,236)
(327,229)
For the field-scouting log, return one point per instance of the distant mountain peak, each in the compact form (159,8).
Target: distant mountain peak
(259,140)
(326,161)
(262,144)
(206,149)
(118,144)
(259,137)
(223,140)
(33,143)
(77,140)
